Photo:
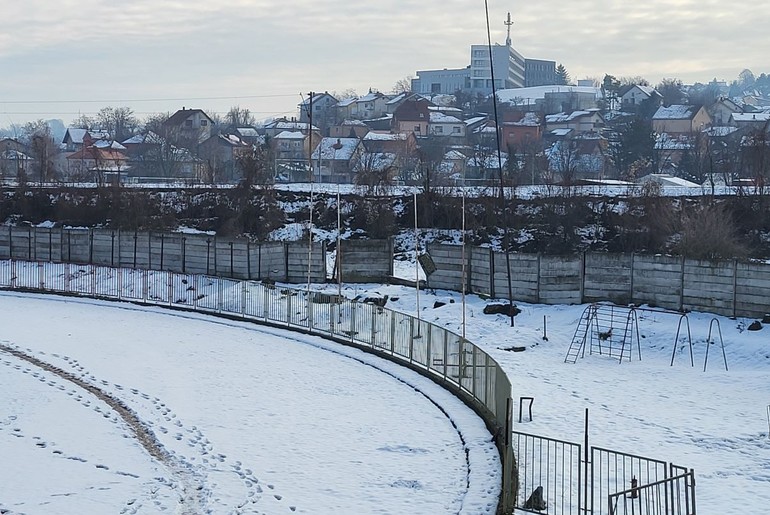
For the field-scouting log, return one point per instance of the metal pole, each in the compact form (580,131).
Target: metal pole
(416,263)
(310,223)
(339,248)
(464,279)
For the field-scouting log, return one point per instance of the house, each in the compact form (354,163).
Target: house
(75,138)
(371,105)
(404,143)
(750,121)
(188,127)
(14,158)
(220,154)
(578,121)
(633,96)
(413,115)
(485,166)
(578,158)
(91,163)
(250,135)
(443,125)
(290,156)
(151,156)
(332,160)
(279,125)
(392,104)
(522,130)
(680,119)
(349,129)
(324,110)
(722,110)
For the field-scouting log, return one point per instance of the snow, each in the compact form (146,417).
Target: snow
(675,112)
(222,382)
(254,418)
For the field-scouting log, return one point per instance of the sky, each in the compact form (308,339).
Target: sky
(371,426)
(61,59)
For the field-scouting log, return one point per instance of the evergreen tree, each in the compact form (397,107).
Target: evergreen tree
(562,77)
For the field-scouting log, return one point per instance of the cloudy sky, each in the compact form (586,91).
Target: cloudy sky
(65,57)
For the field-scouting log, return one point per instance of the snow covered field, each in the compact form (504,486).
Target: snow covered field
(713,421)
(254,420)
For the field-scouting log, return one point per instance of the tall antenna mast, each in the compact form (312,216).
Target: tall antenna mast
(508,23)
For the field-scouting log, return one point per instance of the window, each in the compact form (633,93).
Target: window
(455,130)
(188,123)
(416,128)
(204,123)
(438,130)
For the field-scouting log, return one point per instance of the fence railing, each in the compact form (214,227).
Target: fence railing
(561,478)
(671,496)
(447,358)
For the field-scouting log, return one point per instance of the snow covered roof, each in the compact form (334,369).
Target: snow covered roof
(76,135)
(666,142)
(337,149)
(284,125)
(397,98)
(346,102)
(289,135)
(475,120)
(247,132)
(385,136)
(148,137)
(436,117)
(445,110)
(529,119)
(668,180)
(720,131)
(454,155)
(676,112)
(567,117)
(750,117)
(109,144)
(561,132)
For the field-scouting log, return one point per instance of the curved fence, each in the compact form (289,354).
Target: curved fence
(443,356)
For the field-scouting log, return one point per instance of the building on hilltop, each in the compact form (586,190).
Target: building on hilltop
(510,67)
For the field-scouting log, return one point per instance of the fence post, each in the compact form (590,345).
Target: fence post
(582,276)
(170,288)
(90,246)
(735,288)
(112,249)
(243,298)
(538,279)
(184,254)
(491,277)
(145,284)
(681,288)
(40,275)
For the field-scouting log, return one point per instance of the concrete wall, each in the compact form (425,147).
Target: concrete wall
(728,287)
(177,252)
(724,287)
(366,260)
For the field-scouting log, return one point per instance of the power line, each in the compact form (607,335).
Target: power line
(180,99)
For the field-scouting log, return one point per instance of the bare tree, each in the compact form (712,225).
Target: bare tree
(239,116)
(43,149)
(119,122)
(403,85)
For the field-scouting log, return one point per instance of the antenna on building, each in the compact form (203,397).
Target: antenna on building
(508,24)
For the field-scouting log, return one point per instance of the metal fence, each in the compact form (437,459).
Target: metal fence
(454,362)
(565,478)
